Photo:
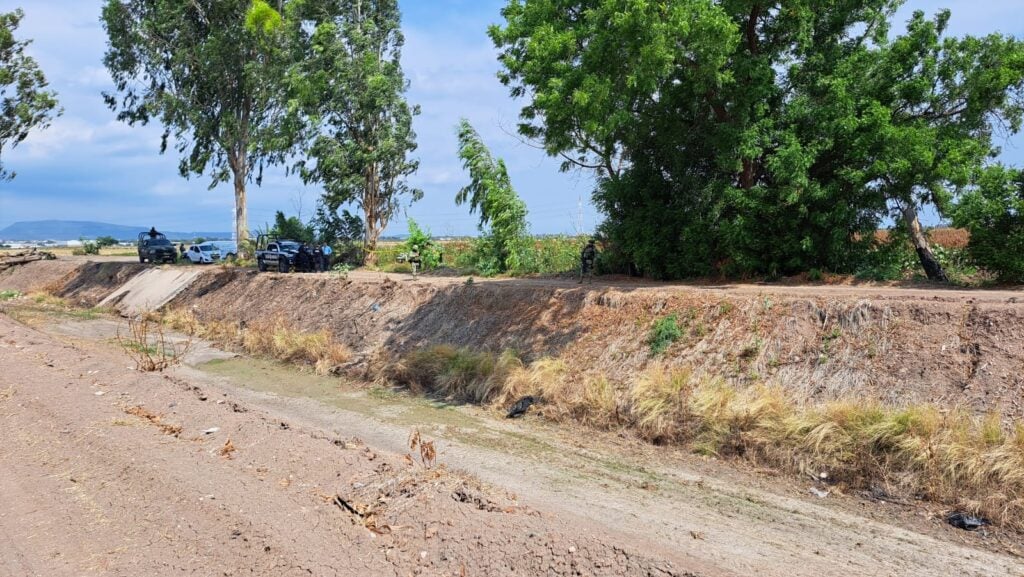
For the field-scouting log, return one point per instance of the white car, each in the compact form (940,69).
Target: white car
(203,253)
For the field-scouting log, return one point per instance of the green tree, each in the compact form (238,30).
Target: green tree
(490,192)
(205,69)
(291,228)
(993,212)
(940,98)
(25,103)
(104,241)
(333,227)
(351,87)
(751,137)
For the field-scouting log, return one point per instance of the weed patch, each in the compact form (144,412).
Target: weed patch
(664,332)
(146,343)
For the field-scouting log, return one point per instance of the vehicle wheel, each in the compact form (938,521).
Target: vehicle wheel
(282,265)
(142,258)
(261,266)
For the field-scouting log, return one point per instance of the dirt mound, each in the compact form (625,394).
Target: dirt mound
(901,350)
(36,276)
(945,347)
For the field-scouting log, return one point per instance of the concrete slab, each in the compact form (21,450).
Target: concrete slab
(151,290)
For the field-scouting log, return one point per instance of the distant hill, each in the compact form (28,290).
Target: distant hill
(73,230)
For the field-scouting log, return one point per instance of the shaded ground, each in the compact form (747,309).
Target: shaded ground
(91,487)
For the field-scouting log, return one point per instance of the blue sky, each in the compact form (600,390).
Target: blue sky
(87,166)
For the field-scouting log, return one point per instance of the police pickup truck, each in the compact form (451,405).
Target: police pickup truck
(154,247)
(275,254)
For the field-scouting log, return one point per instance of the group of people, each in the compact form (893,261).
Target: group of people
(313,258)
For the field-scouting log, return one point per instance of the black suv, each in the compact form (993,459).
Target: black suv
(154,247)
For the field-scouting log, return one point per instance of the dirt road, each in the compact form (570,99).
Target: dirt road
(108,471)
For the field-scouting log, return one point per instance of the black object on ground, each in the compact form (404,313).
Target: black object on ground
(966,522)
(519,409)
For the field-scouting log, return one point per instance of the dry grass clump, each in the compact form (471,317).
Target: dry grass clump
(950,457)
(47,299)
(461,374)
(947,456)
(278,340)
(274,338)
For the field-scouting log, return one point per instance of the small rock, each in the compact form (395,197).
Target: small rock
(211,430)
(572,549)
(819,493)
(99,393)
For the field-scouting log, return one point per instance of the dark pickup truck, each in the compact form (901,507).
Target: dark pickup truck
(275,254)
(154,247)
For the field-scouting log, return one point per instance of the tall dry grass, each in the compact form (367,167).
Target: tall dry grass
(274,338)
(947,456)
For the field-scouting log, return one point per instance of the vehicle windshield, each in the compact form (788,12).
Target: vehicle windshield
(159,242)
(288,245)
(206,248)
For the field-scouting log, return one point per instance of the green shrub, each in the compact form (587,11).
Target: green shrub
(430,256)
(994,215)
(664,332)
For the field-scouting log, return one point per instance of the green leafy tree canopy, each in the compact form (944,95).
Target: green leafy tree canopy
(25,103)
(206,70)
(502,212)
(350,87)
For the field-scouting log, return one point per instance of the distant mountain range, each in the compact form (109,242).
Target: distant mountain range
(60,230)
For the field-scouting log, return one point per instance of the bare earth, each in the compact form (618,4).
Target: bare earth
(108,471)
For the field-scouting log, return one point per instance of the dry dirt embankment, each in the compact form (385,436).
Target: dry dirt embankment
(944,347)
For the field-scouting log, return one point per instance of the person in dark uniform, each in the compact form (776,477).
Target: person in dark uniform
(588,257)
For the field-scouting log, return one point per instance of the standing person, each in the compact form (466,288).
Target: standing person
(414,259)
(587,259)
(318,258)
(181,250)
(327,256)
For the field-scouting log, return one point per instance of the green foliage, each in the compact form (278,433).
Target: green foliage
(105,241)
(262,19)
(25,104)
(88,248)
(664,332)
(350,88)
(430,256)
(343,232)
(209,80)
(341,270)
(502,212)
(9,294)
(738,138)
(993,212)
(291,228)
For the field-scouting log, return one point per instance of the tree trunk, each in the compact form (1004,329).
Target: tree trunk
(371,206)
(240,169)
(931,265)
